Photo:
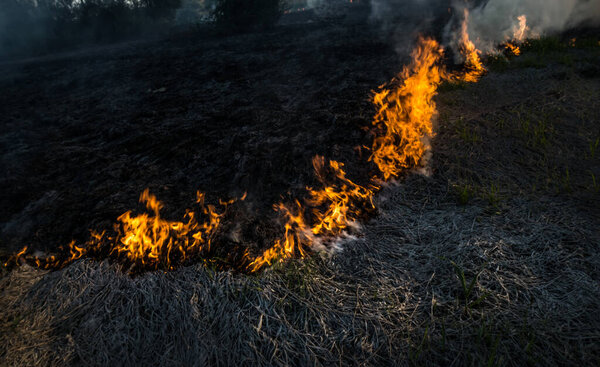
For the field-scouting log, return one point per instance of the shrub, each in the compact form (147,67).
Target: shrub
(34,27)
(238,15)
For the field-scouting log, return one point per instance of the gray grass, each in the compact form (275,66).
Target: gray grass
(390,297)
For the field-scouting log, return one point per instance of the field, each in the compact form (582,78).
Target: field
(491,259)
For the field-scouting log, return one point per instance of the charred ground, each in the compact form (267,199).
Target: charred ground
(83,134)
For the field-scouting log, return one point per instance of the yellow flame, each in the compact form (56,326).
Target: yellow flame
(473,62)
(514,49)
(405,113)
(334,208)
(146,239)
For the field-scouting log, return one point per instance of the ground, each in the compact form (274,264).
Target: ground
(492,259)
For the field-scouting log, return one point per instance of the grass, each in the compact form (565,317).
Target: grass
(466,132)
(448,86)
(541,52)
(544,45)
(463,192)
(492,195)
(497,63)
(595,187)
(468,293)
(593,148)
(535,128)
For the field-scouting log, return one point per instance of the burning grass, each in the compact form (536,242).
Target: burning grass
(404,126)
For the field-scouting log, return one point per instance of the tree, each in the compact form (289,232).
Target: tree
(239,15)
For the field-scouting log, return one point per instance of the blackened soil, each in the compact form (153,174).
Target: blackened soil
(83,134)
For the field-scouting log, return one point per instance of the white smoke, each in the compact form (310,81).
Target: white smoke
(496,20)
(403,20)
(490,21)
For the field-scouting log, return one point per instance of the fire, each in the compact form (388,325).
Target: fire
(145,240)
(405,113)
(404,125)
(513,48)
(152,240)
(519,34)
(473,62)
(335,207)
(520,30)
(296,238)
(341,202)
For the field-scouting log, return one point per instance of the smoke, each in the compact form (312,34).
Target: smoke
(490,21)
(496,21)
(33,27)
(403,20)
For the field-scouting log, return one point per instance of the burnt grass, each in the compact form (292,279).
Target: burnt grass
(491,260)
(84,134)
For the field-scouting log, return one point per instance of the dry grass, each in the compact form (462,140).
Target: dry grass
(391,297)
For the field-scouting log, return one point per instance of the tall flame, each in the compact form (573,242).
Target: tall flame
(405,113)
(519,34)
(473,62)
(520,30)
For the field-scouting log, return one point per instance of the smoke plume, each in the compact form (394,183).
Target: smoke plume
(496,20)
(489,23)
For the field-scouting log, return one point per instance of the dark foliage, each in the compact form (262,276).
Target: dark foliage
(239,15)
(28,27)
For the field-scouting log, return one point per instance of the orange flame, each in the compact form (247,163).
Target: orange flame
(405,112)
(473,62)
(16,258)
(152,240)
(339,201)
(519,34)
(335,207)
(147,240)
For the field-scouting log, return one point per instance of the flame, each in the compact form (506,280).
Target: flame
(520,31)
(405,113)
(16,258)
(519,34)
(403,121)
(297,236)
(513,48)
(152,240)
(146,240)
(335,207)
(470,53)
(341,202)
